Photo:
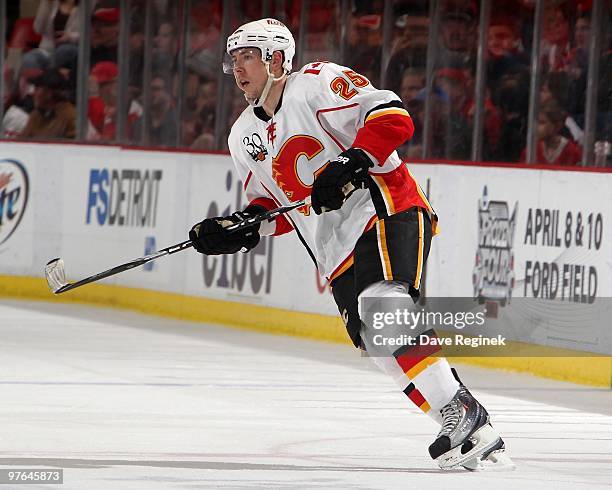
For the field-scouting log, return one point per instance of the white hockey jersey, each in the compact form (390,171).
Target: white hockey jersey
(325,109)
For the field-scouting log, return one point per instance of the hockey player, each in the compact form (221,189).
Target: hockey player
(326,132)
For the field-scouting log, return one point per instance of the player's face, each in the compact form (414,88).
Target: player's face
(249,71)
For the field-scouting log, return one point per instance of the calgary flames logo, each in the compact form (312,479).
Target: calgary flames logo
(285,167)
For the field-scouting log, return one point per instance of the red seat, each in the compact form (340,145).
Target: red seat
(24,37)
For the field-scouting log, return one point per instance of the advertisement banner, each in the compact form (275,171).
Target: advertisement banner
(120,205)
(278,272)
(523,233)
(17,207)
(506,234)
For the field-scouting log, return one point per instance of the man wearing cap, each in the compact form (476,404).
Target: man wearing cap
(103,107)
(53,117)
(457,36)
(104,35)
(409,43)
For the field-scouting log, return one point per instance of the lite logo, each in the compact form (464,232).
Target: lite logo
(14,190)
(126,197)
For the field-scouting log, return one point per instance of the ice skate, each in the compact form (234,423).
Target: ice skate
(467,438)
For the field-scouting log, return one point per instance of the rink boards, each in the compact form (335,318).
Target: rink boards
(506,233)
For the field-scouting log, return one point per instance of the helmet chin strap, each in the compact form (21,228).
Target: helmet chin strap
(258,102)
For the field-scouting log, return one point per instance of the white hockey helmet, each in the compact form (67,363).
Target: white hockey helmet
(268,35)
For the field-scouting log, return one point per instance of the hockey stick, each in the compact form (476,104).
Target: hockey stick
(55,271)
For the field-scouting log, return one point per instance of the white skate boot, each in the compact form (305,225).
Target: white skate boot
(467,438)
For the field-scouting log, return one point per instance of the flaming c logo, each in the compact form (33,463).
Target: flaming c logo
(285,167)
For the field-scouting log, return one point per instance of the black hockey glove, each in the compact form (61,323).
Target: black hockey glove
(211,238)
(329,190)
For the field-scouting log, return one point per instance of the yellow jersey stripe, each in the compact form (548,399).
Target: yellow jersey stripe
(419,269)
(386,194)
(383,251)
(385,112)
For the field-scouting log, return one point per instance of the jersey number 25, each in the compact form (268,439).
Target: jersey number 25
(342,87)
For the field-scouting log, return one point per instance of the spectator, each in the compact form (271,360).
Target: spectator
(581,34)
(413,81)
(206,100)
(409,49)
(511,96)
(136,46)
(457,138)
(57,23)
(205,141)
(413,148)
(205,25)
(166,41)
(411,28)
(104,35)
(204,37)
(553,148)
(321,42)
(195,134)
(605,79)
(103,107)
(162,114)
(95,119)
(53,116)
(555,42)
(17,103)
(457,36)
(577,66)
(189,127)
(23,94)
(192,86)
(557,86)
(205,106)
(460,85)
(364,40)
(504,47)
(166,46)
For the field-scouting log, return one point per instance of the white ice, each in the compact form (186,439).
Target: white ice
(126,401)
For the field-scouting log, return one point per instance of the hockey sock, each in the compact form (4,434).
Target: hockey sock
(424,366)
(420,370)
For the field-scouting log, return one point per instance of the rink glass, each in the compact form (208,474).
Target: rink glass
(471,75)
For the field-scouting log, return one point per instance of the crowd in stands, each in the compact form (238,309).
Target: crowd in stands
(41,74)
(42,59)
(564,67)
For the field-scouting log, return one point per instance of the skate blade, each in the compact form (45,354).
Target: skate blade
(484,439)
(496,461)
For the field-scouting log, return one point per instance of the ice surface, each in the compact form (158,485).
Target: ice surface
(126,401)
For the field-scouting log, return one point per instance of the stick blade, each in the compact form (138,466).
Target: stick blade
(55,274)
